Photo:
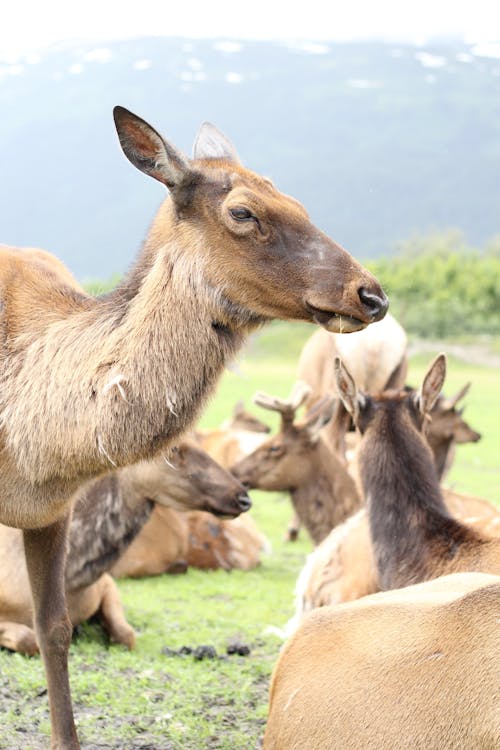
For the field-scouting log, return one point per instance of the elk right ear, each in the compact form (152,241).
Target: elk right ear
(432,385)
(210,143)
(352,399)
(145,148)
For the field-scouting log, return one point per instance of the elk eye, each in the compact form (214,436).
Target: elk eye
(275,449)
(241,214)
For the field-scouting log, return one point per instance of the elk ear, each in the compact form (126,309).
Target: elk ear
(147,150)
(210,143)
(432,385)
(352,399)
(450,403)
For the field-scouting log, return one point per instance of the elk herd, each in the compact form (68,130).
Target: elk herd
(395,640)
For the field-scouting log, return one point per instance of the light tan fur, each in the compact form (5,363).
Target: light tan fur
(415,667)
(376,357)
(237,437)
(197,539)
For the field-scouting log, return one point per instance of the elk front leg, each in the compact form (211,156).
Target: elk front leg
(45,551)
(113,616)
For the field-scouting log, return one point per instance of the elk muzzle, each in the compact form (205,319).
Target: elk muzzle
(232,506)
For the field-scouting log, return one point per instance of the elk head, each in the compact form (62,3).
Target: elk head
(191,480)
(282,461)
(256,246)
(414,407)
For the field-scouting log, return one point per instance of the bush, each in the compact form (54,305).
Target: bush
(439,287)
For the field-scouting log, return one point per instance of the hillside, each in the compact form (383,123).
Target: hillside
(379,141)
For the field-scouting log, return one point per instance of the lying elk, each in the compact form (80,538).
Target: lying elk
(107,515)
(414,537)
(89,384)
(299,459)
(388,671)
(235,438)
(171,541)
(342,568)
(377,358)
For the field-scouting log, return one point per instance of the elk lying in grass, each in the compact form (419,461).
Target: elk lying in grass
(108,514)
(170,542)
(299,459)
(342,568)
(376,357)
(388,671)
(241,435)
(414,537)
(89,384)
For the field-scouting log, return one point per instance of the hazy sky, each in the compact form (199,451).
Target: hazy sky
(28,25)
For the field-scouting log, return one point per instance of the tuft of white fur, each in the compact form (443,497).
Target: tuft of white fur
(102,450)
(116,382)
(171,403)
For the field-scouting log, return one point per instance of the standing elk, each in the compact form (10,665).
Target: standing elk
(377,358)
(299,459)
(88,384)
(107,515)
(416,667)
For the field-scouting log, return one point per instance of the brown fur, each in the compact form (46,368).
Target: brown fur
(299,459)
(388,671)
(87,384)
(413,535)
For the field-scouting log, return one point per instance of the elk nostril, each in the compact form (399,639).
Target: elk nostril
(244,501)
(375,303)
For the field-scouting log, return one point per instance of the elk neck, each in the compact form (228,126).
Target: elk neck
(409,523)
(124,374)
(327,496)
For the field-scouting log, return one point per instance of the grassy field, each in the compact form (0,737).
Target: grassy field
(147,699)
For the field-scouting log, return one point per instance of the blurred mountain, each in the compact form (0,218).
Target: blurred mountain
(379,141)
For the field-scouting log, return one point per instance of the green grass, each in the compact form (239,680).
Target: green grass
(145,699)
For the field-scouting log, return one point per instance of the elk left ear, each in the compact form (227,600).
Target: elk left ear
(352,399)
(147,150)
(210,143)
(432,385)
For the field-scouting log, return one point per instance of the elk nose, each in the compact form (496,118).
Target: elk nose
(375,304)
(243,501)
